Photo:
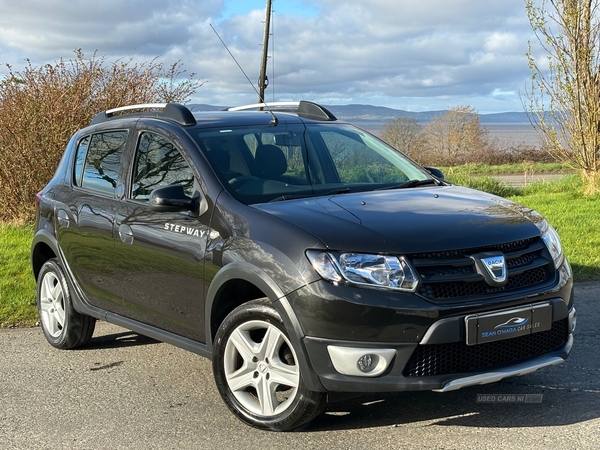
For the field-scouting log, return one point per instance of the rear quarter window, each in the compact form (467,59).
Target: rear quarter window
(98,160)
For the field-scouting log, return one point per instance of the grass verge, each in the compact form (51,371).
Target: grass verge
(17,286)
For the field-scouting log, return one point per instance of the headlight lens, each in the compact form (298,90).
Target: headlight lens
(324,264)
(552,241)
(367,270)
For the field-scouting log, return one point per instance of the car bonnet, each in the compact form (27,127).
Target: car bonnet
(409,220)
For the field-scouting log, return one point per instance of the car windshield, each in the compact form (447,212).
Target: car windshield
(262,164)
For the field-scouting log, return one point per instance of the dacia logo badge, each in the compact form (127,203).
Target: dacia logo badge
(492,266)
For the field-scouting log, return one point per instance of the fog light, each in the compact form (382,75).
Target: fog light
(367,362)
(362,362)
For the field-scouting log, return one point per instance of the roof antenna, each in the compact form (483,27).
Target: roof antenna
(263,81)
(275,120)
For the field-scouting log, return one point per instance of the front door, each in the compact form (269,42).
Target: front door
(160,255)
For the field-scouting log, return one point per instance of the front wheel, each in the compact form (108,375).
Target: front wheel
(257,372)
(63,327)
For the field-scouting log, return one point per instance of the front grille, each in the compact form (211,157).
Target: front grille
(452,275)
(458,357)
(463,289)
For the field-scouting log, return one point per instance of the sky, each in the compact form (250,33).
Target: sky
(414,55)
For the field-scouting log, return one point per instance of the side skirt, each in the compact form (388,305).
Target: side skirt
(160,335)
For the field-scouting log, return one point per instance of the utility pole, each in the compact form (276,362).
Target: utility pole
(263,81)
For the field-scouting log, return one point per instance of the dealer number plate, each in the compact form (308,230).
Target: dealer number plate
(508,324)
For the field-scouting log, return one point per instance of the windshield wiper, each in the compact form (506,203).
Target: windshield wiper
(409,184)
(316,194)
(289,197)
(337,191)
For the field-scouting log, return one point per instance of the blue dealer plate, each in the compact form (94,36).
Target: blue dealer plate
(508,324)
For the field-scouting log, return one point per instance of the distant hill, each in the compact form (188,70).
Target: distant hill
(382,114)
(510,128)
(376,116)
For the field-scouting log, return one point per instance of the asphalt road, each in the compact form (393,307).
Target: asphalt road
(126,391)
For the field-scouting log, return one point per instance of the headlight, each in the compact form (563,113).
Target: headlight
(367,270)
(552,241)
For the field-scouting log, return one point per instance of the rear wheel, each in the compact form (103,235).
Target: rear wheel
(257,372)
(63,327)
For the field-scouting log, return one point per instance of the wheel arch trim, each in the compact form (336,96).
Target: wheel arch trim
(47,238)
(250,273)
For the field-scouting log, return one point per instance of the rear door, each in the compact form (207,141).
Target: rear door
(160,255)
(86,223)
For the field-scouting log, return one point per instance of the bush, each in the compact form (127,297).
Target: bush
(490,154)
(41,107)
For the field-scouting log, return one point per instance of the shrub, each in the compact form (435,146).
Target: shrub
(41,107)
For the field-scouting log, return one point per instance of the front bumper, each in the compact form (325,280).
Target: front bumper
(428,342)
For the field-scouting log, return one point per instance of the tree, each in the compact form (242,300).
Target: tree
(455,135)
(564,97)
(41,107)
(404,134)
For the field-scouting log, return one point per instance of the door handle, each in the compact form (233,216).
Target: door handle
(126,234)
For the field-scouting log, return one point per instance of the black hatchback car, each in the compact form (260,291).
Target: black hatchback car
(302,255)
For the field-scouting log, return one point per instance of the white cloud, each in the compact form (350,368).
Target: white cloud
(505,43)
(422,54)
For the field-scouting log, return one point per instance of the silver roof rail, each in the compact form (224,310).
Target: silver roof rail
(111,112)
(307,110)
(172,111)
(264,105)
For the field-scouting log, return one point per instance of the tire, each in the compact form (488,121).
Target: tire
(257,372)
(63,327)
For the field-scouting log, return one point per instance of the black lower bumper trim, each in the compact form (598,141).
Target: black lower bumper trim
(458,357)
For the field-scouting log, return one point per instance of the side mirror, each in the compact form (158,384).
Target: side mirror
(435,172)
(173,199)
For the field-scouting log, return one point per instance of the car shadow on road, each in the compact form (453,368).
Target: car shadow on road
(118,340)
(558,406)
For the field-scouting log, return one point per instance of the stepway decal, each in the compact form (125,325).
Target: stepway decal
(184,230)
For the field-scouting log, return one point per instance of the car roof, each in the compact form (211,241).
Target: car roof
(255,114)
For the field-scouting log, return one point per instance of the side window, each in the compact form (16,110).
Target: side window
(102,161)
(80,159)
(158,163)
